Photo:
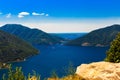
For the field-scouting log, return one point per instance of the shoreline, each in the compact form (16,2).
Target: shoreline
(16,61)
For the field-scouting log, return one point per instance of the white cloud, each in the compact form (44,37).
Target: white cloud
(22,14)
(8,15)
(35,14)
(38,14)
(46,14)
(42,14)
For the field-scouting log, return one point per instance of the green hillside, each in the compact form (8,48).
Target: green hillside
(99,37)
(14,49)
(33,36)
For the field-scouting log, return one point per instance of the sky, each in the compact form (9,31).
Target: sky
(61,16)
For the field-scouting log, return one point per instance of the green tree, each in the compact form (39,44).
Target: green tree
(113,54)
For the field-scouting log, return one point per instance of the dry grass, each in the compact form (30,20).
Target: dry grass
(70,77)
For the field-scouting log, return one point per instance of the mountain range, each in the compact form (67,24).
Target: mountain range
(33,36)
(100,37)
(13,48)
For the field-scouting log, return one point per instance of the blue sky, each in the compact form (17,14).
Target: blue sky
(61,15)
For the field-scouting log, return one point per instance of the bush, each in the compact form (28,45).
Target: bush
(113,54)
(17,74)
(70,70)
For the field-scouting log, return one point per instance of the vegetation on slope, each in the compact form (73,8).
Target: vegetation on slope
(34,36)
(100,37)
(14,49)
(69,77)
(113,54)
(17,74)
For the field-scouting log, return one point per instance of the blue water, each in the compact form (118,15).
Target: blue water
(69,36)
(57,57)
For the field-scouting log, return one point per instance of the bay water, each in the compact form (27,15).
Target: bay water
(57,58)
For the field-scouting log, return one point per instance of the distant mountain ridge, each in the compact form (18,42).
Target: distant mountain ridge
(69,36)
(100,37)
(33,36)
(13,48)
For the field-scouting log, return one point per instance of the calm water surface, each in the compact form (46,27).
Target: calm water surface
(57,57)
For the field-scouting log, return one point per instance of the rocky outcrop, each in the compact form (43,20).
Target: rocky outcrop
(99,71)
(86,44)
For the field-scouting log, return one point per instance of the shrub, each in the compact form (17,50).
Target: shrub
(17,74)
(70,70)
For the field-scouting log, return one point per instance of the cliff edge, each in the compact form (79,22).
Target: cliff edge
(99,71)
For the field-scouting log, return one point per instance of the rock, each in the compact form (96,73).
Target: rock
(99,45)
(86,44)
(99,71)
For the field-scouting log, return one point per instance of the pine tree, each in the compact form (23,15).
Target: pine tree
(113,54)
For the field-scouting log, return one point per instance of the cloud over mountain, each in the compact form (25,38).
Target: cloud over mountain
(35,14)
(22,14)
(39,14)
(42,14)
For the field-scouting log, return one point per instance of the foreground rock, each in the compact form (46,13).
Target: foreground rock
(99,71)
